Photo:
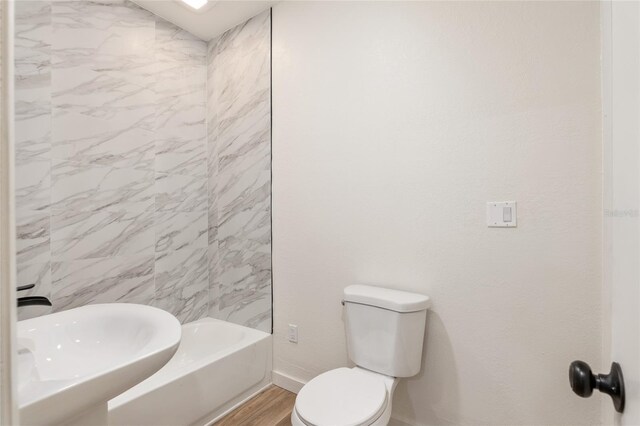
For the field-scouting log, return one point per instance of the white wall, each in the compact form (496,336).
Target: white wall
(393,124)
(621,71)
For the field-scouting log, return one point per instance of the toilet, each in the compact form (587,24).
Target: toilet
(385,333)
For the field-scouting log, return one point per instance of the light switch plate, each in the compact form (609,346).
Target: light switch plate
(293,333)
(502,214)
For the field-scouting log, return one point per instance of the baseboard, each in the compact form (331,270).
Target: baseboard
(292,384)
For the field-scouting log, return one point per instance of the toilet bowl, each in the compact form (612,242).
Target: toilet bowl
(385,332)
(345,397)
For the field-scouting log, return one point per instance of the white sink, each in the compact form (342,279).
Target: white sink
(71,363)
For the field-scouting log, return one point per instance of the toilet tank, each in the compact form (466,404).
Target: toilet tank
(385,329)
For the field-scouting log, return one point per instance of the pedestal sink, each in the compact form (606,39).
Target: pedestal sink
(71,363)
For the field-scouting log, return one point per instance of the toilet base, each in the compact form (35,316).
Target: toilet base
(389,382)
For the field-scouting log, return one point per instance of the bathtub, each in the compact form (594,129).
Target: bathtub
(218,366)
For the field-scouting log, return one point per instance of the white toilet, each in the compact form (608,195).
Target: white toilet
(385,333)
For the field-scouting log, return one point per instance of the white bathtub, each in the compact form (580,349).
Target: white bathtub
(218,365)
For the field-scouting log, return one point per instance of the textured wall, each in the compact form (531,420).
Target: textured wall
(111,157)
(394,123)
(621,136)
(239,141)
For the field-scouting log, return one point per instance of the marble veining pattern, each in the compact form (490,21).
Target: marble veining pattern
(102,280)
(38,274)
(143,161)
(181,224)
(80,187)
(111,158)
(177,230)
(182,283)
(105,233)
(32,238)
(239,158)
(33,144)
(212,167)
(181,104)
(180,193)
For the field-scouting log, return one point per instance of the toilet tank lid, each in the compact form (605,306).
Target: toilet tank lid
(386,298)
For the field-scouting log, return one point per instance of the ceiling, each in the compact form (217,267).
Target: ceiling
(209,22)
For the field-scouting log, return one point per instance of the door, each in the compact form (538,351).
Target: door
(621,107)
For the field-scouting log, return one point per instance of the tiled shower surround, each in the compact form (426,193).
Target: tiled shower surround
(143,161)
(239,153)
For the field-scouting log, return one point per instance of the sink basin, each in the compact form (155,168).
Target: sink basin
(71,363)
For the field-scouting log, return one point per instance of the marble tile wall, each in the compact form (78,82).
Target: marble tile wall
(111,157)
(182,276)
(33,144)
(239,158)
(102,152)
(143,161)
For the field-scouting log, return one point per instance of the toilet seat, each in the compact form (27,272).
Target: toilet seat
(342,397)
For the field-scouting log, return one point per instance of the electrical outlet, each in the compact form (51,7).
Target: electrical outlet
(293,333)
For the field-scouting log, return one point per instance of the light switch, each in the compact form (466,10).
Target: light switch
(506,214)
(501,214)
(293,333)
